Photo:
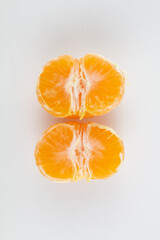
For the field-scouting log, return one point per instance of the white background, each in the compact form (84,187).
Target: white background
(126,206)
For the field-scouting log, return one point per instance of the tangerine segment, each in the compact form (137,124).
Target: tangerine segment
(73,151)
(51,153)
(107,151)
(51,90)
(87,87)
(107,84)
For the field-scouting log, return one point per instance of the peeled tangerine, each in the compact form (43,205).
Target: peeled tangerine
(84,87)
(73,151)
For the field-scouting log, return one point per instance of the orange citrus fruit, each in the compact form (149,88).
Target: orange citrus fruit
(89,86)
(73,151)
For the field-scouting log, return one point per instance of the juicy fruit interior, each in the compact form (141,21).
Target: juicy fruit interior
(81,88)
(72,151)
(51,153)
(107,86)
(50,89)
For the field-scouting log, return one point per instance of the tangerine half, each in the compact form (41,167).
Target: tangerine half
(78,88)
(73,151)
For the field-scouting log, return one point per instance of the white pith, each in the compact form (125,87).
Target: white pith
(80,152)
(78,85)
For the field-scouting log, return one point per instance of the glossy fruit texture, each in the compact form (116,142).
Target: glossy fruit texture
(78,88)
(73,151)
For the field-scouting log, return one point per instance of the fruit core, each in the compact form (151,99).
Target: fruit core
(77,86)
(80,153)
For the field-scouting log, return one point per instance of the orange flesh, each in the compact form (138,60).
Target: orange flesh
(73,151)
(90,86)
(107,86)
(51,153)
(50,88)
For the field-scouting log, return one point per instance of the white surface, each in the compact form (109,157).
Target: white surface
(126,206)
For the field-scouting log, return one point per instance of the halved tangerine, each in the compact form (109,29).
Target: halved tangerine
(73,151)
(84,87)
